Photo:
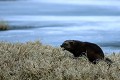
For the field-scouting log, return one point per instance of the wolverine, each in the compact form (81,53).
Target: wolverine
(91,50)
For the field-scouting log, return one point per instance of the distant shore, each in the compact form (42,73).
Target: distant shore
(34,61)
(3,26)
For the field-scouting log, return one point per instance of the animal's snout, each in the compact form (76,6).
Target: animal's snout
(60,45)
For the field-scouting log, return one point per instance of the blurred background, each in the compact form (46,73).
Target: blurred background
(53,21)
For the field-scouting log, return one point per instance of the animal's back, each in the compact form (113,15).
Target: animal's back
(94,47)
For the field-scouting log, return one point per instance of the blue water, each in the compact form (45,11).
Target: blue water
(52,23)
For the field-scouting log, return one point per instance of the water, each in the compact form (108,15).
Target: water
(53,23)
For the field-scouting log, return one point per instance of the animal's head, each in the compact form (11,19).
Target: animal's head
(74,46)
(70,45)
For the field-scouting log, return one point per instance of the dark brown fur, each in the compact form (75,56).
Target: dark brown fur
(92,51)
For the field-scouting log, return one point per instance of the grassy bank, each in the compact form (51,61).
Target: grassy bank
(34,61)
(3,26)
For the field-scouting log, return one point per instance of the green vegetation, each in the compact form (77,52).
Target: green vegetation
(3,25)
(35,61)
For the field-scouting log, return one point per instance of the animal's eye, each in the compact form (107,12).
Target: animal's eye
(71,42)
(65,44)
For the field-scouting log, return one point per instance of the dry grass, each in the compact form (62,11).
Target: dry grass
(34,61)
(3,25)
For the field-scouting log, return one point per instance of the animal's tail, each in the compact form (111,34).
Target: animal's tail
(108,61)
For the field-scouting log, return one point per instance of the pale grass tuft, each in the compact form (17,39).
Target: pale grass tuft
(35,61)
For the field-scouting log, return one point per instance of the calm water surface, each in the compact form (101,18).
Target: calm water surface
(54,23)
